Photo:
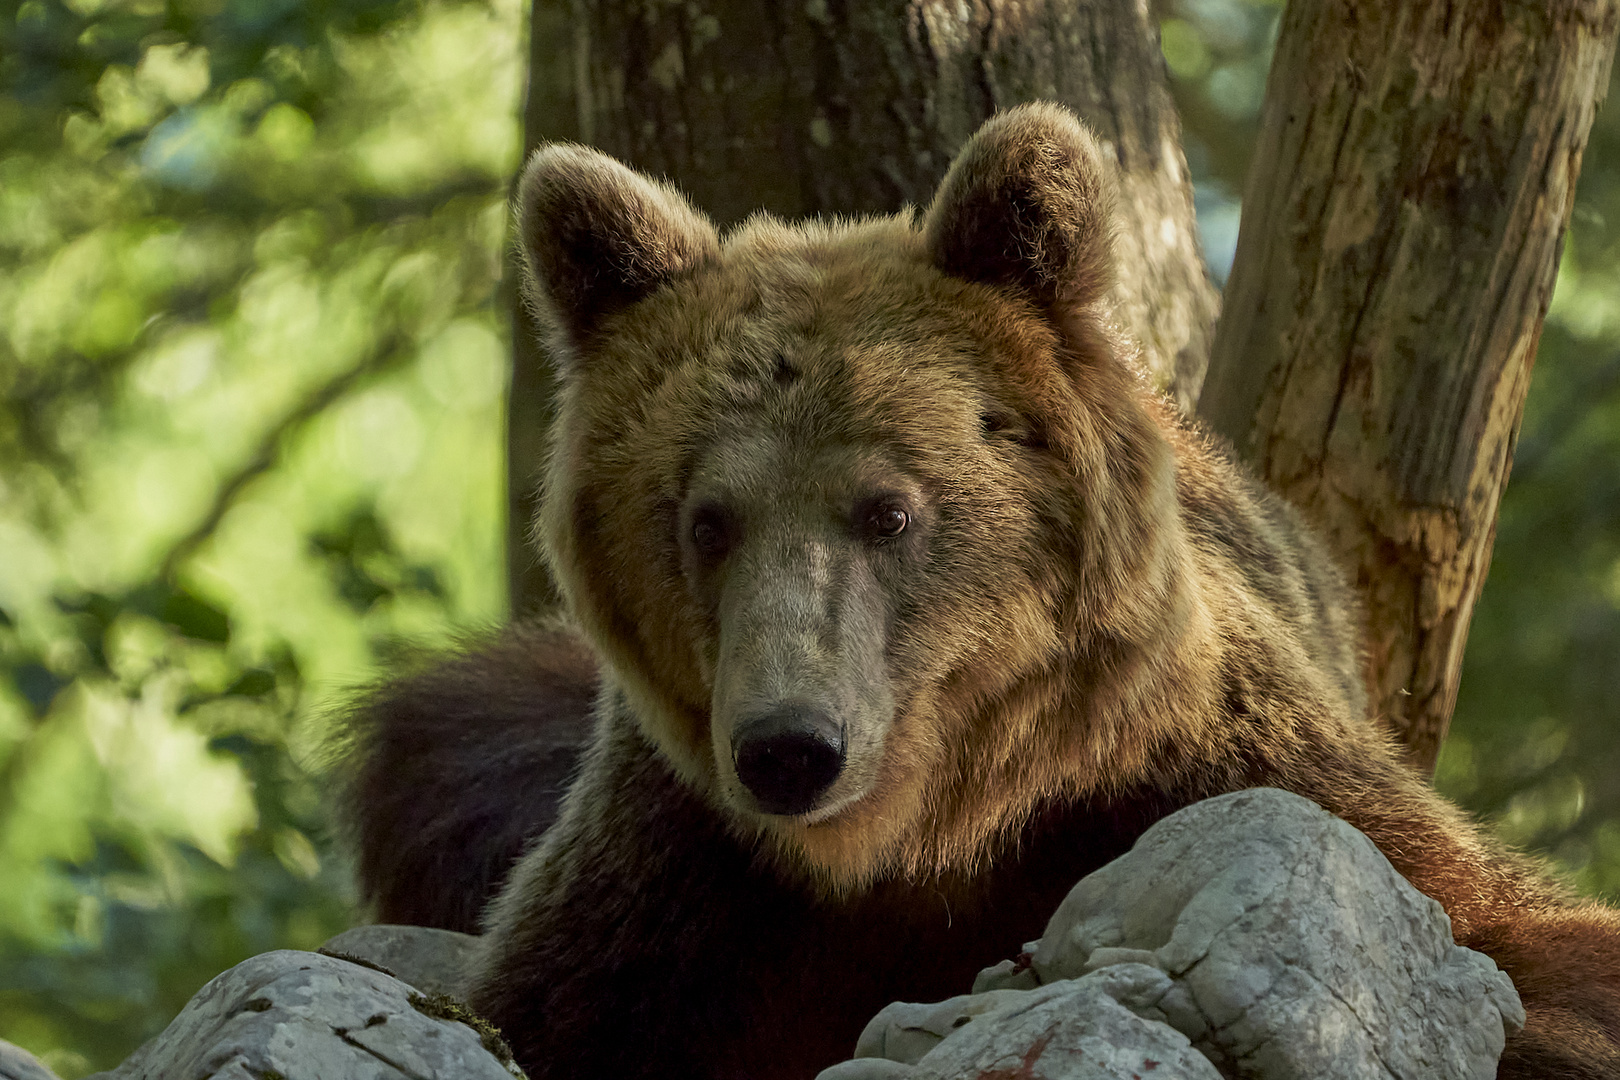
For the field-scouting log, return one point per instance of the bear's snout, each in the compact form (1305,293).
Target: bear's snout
(788,757)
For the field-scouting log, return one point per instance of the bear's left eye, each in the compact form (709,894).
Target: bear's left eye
(886,521)
(712,532)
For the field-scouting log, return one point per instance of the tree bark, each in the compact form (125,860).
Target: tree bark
(837,107)
(1401,229)
(550,114)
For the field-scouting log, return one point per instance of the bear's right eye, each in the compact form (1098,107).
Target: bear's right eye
(711,532)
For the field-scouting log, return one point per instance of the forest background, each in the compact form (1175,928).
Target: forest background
(254,352)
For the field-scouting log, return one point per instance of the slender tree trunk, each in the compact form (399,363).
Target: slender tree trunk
(1401,228)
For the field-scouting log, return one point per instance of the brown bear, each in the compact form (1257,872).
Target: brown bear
(910,604)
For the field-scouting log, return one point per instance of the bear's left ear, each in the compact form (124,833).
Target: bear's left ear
(598,236)
(1025,205)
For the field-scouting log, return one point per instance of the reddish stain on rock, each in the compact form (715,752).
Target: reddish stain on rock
(1026,1067)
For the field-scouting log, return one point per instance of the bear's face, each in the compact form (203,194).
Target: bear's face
(821,494)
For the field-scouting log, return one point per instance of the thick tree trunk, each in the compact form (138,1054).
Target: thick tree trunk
(838,107)
(1401,228)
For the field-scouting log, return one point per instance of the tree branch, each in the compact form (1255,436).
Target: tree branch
(390,354)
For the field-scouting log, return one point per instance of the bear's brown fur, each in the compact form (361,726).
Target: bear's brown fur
(890,483)
(456,785)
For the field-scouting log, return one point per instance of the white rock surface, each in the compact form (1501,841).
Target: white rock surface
(1284,945)
(304,1016)
(905,1032)
(1250,936)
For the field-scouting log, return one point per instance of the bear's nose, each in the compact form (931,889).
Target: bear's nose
(788,757)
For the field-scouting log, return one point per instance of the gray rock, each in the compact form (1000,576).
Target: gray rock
(304,1016)
(1296,949)
(868,1069)
(1254,928)
(433,961)
(18,1064)
(905,1032)
(1010,974)
(1101,1027)
(1252,935)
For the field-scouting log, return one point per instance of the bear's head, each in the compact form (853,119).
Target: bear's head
(865,519)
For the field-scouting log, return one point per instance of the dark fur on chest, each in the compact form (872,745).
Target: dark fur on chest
(662,945)
(771,979)
(465,774)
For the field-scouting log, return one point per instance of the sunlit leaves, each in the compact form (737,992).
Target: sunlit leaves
(1184,50)
(1217,52)
(252,370)
(457,85)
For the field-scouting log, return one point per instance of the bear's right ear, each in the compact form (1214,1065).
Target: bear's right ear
(597,237)
(1026,205)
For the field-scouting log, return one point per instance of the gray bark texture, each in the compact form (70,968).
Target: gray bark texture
(1401,228)
(835,107)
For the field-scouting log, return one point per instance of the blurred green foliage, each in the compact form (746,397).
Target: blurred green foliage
(252,370)
(252,365)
